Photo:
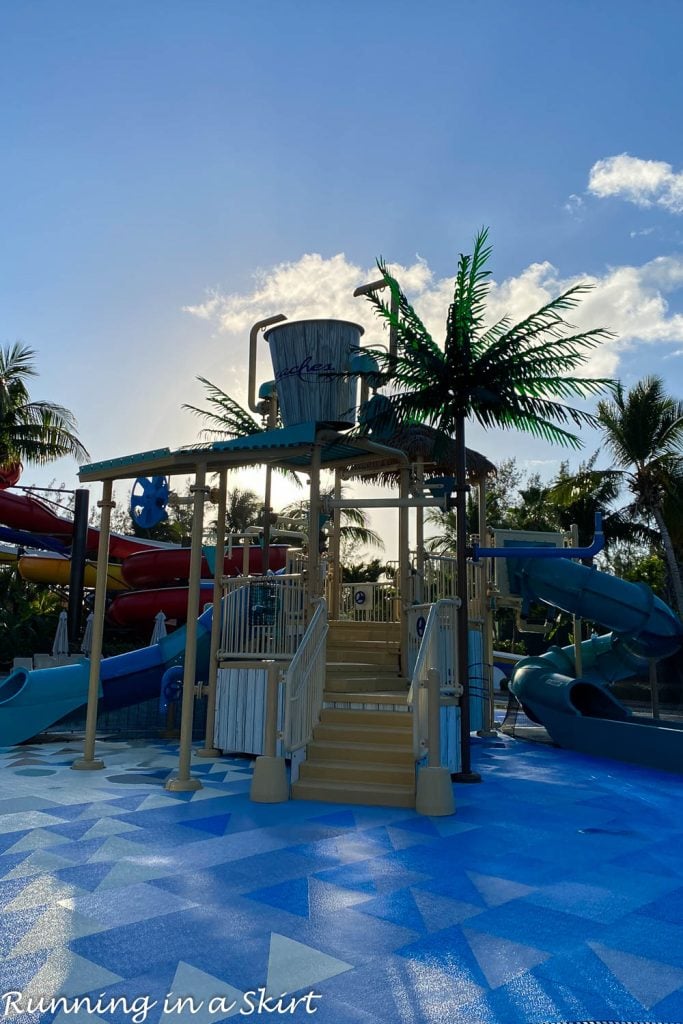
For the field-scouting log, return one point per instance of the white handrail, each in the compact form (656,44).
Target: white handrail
(263,616)
(437,652)
(305,682)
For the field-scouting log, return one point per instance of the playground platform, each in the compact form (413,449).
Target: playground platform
(554,894)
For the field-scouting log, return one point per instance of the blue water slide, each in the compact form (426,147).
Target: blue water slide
(31,701)
(579,711)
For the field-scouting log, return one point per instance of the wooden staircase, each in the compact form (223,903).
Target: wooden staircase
(362,749)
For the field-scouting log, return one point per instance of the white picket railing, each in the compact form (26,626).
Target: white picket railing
(263,617)
(369,602)
(437,651)
(305,682)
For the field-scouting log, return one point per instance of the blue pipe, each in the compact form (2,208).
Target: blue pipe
(538,551)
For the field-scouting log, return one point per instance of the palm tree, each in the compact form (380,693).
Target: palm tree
(510,376)
(353,530)
(36,432)
(643,431)
(225,417)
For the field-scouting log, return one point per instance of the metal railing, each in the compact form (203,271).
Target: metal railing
(305,682)
(369,602)
(263,617)
(436,652)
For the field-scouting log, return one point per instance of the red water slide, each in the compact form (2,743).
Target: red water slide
(24,512)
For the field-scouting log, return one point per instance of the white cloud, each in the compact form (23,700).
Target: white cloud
(630,301)
(643,182)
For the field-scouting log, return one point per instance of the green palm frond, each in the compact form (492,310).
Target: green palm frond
(226,417)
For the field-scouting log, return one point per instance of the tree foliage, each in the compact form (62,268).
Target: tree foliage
(31,431)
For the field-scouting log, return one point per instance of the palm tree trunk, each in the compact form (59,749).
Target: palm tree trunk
(670,555)
(462,663)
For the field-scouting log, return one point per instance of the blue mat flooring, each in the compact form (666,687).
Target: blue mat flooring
(554,894)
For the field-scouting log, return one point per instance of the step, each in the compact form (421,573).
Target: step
(360,668)
(378,719)
(382,753)
(339,771)
(377,795)
(359,654)
(357,732)
(361,630)
(386,698)
(359,684)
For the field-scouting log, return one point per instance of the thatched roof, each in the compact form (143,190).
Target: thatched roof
(437,450)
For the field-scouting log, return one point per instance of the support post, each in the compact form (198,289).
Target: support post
(419,534)
(462,654)
(434,794)
(654,687)
(78,548)
(335,552)
(404,567)
(183,781)
(578,622)
(89,762)
(208,750)
(314,531)
(483,568)
(269,782)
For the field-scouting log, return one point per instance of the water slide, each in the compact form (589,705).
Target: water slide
(579,711)
(30,701)
(28,515)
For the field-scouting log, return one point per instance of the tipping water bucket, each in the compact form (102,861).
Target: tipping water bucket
(310,360)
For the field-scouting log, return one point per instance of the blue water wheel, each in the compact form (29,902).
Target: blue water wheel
(148,501)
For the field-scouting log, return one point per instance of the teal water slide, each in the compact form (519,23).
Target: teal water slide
(31,701)
(578,710)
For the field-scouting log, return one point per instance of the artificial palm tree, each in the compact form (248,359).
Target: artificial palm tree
(353,529)
(511,376)
(643,431)
(36,432)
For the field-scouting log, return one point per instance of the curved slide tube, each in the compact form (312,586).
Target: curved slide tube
(31,701)
(580,712)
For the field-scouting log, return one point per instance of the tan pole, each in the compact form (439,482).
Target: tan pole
(314,530)
(404,566)
(335,553)
(578,623)
(272,686)
(420,533)
(89,762)
(183,781)
(433,718)
(208,750)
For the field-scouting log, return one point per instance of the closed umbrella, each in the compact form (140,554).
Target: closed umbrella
(159,628)
(86,642)
(60,647)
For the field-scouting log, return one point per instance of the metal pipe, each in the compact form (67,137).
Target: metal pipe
(209,750)
(433,719)
(253,338)
(272,686)
(335,552)
(574,552)
(88,762)
(183,781)
(419,532)
(404,567)
(314,529)
(376,286)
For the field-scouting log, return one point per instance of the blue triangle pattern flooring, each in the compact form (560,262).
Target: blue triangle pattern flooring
(554,894)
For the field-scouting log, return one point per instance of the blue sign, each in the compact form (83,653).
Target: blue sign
(360,597)
(420,626)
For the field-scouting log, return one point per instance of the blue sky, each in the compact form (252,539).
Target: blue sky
(172,171)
